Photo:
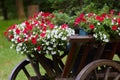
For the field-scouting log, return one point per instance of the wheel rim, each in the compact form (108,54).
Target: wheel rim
(105,66)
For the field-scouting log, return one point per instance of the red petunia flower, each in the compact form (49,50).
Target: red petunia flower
(45,14)
(18,40)
(6,33)
(100,18)
(118,20)
(81,15)
(17,31)
(42,24)
(34,40)
(44,28)
(11,37)
(91,26)
(42,34)
(77,21)
(36,22)
(90,14)
(64,26)
(38,48)
(28,26)
(51,25)
(114,27)
(104,15)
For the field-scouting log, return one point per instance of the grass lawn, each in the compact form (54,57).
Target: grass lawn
(8,57)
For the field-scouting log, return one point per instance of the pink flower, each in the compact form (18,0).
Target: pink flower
(118,20)
(90,14)
(114,27)
(112,12)
(64,26)
(119,14)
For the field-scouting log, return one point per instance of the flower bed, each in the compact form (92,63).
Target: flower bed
(103,27)
(39,34)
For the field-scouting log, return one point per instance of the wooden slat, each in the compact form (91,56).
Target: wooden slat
(70,60)
(80,38)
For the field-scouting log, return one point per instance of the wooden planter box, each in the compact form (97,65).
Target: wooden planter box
(32,9)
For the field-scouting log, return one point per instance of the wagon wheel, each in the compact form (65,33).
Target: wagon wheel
(100,70)
(25,67)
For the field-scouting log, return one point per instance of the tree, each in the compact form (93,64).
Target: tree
(20,9)
(4,9)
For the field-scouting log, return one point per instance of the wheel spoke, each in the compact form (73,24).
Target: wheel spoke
(117,77)
(95,74)
(107,73)
(26,72)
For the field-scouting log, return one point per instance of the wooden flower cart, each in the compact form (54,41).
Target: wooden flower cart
(85,60)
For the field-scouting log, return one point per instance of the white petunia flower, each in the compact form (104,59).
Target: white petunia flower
(104,36)
(95,35)
(64,38)
(98,23)
(53,52)
(47,51)
(35,49)
(47,43)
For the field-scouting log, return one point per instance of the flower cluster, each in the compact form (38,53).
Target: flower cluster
(39,34)
(103,27)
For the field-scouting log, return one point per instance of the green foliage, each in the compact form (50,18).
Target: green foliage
(68,6)
(61,18)
(96,5)
(93,8)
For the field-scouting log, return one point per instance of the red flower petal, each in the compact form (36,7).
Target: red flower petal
(114,27)
(118,20)
(100,18)
(17,31)
(64,26)
(51,25)
(42,35)
(38,48)
(111,11)
(34,40)
(91,26)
